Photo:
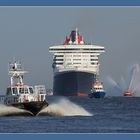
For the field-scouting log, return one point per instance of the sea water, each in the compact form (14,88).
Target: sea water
(76,115)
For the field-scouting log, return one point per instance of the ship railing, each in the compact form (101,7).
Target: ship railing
(40,89)
(2,98)
(27,98)
(90,69)
(77,66)
(31,97)
(49,93)
(10,99)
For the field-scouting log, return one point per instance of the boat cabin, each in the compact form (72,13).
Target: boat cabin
(25,93)
(97,87)
(16,90)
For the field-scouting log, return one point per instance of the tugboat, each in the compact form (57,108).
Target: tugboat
(97,91)
(128,93)
(23,96)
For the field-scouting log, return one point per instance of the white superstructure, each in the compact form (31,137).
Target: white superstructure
(18,92)
(76,55)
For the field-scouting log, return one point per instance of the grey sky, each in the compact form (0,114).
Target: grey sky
(27,32)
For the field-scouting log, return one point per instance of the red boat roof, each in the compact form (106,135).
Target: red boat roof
(128,93)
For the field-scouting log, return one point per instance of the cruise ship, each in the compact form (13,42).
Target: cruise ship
(75,65)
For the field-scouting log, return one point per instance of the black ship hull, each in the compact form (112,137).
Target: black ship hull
(73,83)
(34,107)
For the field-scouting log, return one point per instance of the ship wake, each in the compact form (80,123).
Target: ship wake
(64,107)
(13,111)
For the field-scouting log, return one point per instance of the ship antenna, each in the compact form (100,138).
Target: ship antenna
(16,72)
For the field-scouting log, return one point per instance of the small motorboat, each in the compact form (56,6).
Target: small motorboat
(128,93)
(97,90)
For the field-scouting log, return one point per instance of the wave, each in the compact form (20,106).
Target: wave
(13,111)
(64,107)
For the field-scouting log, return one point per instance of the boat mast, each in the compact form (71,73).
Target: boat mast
(16,72)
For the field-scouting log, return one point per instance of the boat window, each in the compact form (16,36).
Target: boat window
(26,90)
(31,90)
(21,90)
(14,90)
(42,97)
(8,92)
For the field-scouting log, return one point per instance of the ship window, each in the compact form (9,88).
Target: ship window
(26,90)
(76,59)
(76,63)
(68,59)
(42,97)
(8,91)
(58,59)
(92,49)
(21,90)
(76,55)
(85,55)
(58,63)
(58,55)
(14,90)
(93,59)
(31,90)
(69,63)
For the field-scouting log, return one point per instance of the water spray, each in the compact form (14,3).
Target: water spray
(130,86)
(64,107)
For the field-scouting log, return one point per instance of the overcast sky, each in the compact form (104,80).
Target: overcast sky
(27,32)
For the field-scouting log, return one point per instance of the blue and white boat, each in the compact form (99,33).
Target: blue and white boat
(97,91)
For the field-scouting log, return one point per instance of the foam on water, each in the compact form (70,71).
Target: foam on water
(64,107)
(13,111)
